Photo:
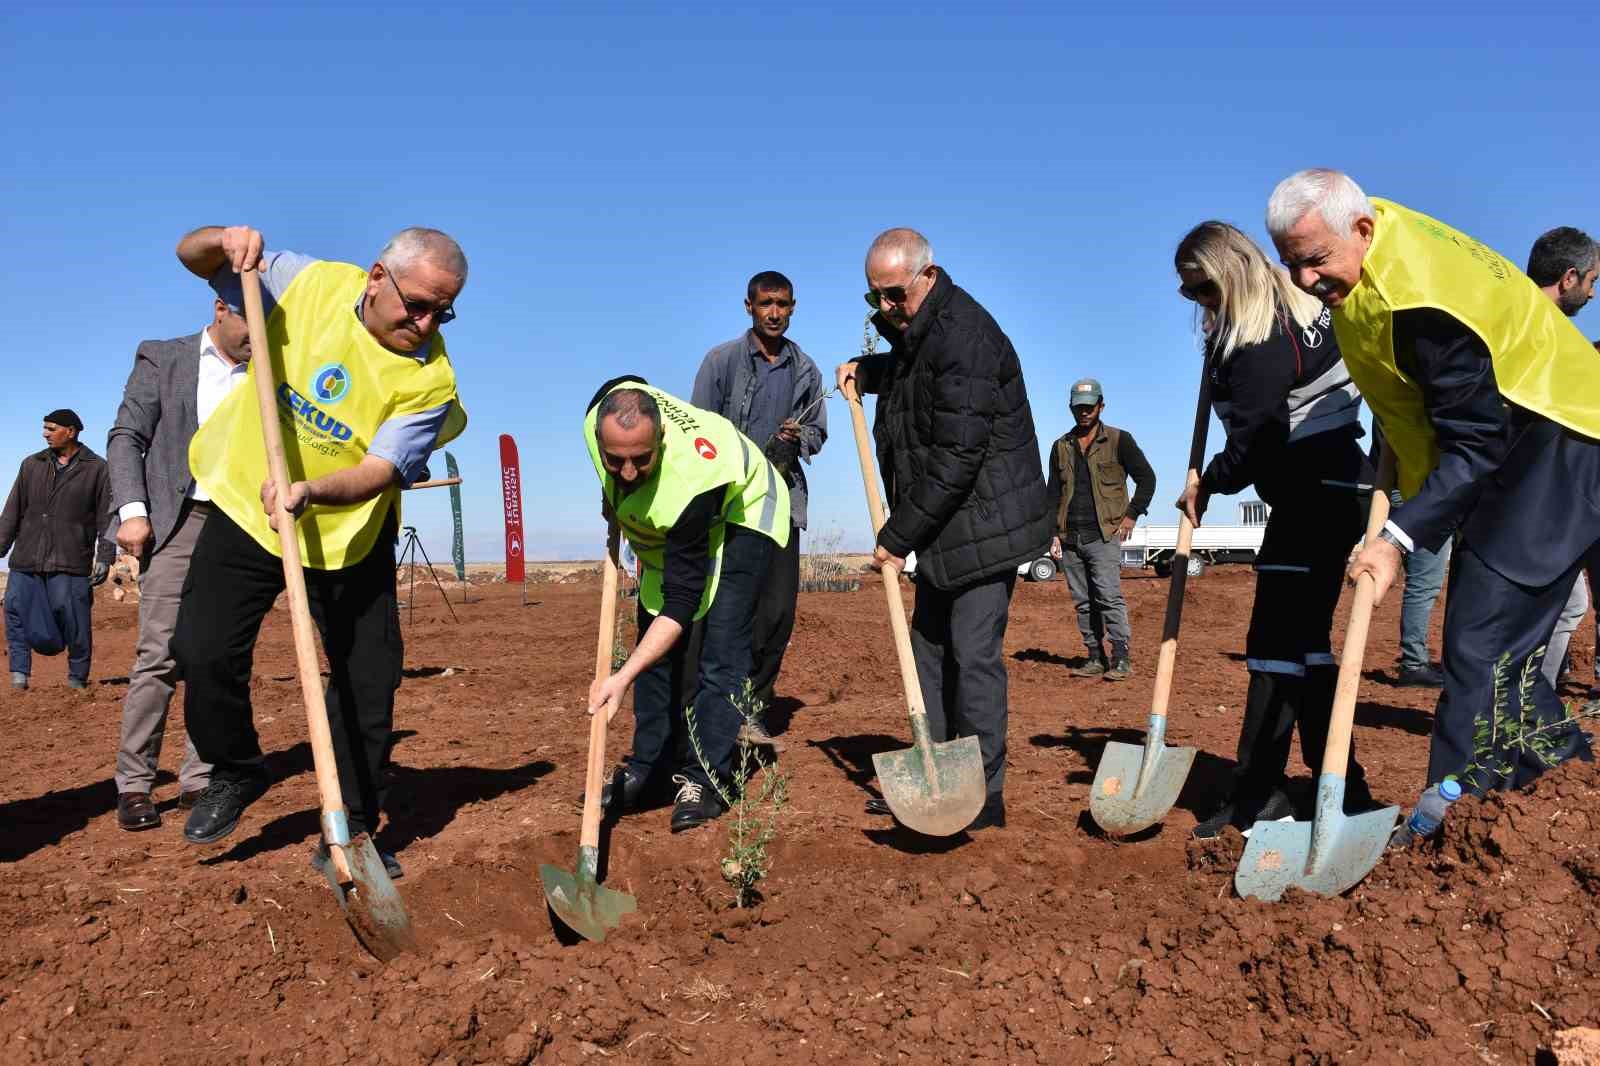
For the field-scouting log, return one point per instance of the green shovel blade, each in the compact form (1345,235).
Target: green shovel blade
(1327,855)
(585,906)
(944,805)
(370,902)
(1137,784)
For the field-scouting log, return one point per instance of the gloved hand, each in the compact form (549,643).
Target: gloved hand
(99,574)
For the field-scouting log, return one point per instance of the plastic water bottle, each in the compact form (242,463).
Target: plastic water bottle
(1429,814)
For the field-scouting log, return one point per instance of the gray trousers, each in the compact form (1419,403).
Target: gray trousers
(956,638)
(1566,625)
(155,674)
(1094,577)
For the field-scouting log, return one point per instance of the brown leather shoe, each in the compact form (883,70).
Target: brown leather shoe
(186,799)
(135,812)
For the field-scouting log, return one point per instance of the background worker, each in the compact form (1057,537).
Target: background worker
(366,392)
(960,467)
(1088,485)
(53,527)
(771,391)
(1564,263)
(1291,413)
(1440,331)
(1425,571)
(704,510)
(174,386)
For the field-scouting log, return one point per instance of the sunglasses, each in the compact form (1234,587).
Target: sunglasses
(416,309)
(1207,289)
(894,294)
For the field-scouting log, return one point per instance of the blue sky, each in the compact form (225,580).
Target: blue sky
(616,172)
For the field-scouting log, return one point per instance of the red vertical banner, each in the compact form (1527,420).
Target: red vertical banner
(511,494)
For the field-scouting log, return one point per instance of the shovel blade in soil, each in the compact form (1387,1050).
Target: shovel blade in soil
(370,902)
(584,905)
(1327,856)
(1137,784)
(940,807)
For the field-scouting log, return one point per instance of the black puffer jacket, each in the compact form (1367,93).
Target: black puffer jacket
(956,444)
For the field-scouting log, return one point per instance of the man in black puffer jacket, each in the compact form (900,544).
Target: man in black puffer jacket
(960,464)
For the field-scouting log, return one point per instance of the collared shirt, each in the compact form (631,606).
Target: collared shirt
(772,399)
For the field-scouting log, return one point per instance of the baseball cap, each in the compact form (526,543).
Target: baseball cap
(1085,392)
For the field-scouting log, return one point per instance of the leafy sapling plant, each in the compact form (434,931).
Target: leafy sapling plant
(1509,730)
(755,796)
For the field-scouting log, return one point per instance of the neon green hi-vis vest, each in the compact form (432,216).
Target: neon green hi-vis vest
(336,386)
(1541,361)
(699,451)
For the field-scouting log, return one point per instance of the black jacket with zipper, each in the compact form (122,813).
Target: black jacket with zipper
(54,523)
(956,443)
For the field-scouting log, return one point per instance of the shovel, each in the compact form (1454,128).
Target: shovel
(936,789)
(1334,851)
(1136,785)
(578,899)
(369,899)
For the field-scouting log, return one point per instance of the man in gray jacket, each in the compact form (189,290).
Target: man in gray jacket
(54,519)
(772,392)
(175,385)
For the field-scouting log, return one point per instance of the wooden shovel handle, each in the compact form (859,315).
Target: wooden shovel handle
(1337,754)
(891,576)
(1167,661)
(294,578)
(594,773)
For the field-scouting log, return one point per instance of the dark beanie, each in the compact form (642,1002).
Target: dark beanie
(65,417)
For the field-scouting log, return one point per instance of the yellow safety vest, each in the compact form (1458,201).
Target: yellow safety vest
(336,386)
(1541,361)
(700,451)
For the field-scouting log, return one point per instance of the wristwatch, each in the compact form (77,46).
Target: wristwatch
(1392,539)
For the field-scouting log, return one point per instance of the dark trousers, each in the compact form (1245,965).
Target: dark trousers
(45,612)
(660,732)
(774,623)
(1318,513)
(1496,628)
(231,586)
(956,638)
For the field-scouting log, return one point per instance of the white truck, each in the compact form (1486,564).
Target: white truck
(1154,546)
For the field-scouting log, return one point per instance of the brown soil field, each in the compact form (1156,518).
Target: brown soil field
(1044,942)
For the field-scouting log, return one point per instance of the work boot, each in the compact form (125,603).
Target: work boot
(695,804)
(993,816)
(77,682)
(135,812)
(216,813)
(1423,676)
(1120,669)
(19,681)
(1243,815)
(1095,667)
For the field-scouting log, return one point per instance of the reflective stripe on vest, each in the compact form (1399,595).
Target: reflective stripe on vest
(698,454)
(1541,361)
(336,386)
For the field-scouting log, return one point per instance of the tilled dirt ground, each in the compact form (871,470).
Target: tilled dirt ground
(1044,942)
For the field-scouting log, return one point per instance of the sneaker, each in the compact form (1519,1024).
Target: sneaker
(216,813)
(1095,667)
(1419,677)
(694,806)
(1121,669)
(19,681)
(1243,817)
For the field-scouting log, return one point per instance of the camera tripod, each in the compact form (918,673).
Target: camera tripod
(410,546)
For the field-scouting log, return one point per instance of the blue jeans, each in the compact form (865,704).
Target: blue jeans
(45,611)
(660,733)
(1424,578)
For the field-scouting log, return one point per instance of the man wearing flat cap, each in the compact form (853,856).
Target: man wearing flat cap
(53,529)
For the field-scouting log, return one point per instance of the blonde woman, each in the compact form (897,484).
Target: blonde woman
(1280,389)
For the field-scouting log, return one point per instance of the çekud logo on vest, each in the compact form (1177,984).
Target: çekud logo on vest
(331,383)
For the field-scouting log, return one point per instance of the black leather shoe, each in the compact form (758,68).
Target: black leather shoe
(1244,816)
(1419,677)
(880,807)
(694,806)
(633,785)
(216,813)
(993,816)
(135,812)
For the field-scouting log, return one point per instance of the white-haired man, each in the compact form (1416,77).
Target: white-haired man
(365,393)
(1437,329)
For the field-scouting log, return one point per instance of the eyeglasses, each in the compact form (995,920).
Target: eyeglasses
(416,309)
(1207,289)
(894,294)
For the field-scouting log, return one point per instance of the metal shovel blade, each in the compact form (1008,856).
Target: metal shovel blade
(1327,855)
(370,902)
(1137,784)
(940,807)
(587,907)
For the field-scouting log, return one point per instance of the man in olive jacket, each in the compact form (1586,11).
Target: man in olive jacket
(53,528)
(960,464)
